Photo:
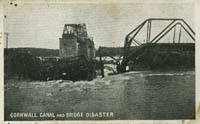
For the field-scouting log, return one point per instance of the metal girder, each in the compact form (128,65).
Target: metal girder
(130,38)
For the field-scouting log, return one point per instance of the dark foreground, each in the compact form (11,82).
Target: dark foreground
(141,95)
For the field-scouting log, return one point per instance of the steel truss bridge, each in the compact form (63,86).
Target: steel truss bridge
(130,54)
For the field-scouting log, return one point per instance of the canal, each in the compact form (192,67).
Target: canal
(132,95)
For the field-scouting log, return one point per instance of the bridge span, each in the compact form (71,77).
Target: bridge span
(177,51)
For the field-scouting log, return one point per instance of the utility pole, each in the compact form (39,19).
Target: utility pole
(101,63)
(6,36)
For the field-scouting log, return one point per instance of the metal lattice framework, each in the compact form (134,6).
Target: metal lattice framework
(130,38)
(172,23)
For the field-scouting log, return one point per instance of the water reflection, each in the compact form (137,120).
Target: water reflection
(162,96)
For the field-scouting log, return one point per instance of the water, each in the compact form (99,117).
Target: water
(133,95)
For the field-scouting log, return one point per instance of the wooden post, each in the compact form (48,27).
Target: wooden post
(174,34)
(101,62)
(6,35)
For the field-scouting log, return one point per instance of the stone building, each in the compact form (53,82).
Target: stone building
(75,42)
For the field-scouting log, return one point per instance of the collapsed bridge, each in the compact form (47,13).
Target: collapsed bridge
(159,51)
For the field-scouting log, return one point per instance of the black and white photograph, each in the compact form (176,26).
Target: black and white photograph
(99,61)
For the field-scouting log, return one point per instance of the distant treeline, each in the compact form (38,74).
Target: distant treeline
(35,51)
(24,64)
(112,51)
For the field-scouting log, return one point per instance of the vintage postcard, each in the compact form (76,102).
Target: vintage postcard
(94,60)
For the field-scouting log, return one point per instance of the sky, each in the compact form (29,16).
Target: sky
(41,25)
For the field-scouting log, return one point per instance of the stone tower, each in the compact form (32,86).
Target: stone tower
(75,42)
